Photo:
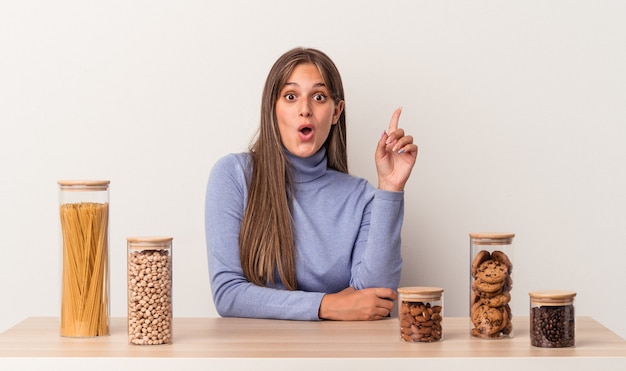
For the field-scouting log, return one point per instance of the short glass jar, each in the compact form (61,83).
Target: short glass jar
(420,314)
(552,319)
(491,281)
(149,290)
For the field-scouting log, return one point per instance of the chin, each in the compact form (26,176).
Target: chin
(303,152)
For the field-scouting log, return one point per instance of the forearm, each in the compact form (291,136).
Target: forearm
(381,259)
(239,298)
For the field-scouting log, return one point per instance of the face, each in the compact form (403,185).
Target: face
(305,111)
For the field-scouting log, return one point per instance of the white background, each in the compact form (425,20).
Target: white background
(518,108)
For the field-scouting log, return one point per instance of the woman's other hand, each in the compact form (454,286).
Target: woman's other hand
(358,305)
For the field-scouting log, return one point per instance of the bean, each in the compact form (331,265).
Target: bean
(552,326)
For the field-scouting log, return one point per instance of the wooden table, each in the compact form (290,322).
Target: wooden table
(237,343)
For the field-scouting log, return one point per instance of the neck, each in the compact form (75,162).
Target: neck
(306,169)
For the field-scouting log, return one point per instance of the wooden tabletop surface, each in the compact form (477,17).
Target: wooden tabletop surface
(240,337)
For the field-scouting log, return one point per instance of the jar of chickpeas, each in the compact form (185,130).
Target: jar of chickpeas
(420,314)
(149,290)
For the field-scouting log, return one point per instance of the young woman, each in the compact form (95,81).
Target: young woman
(290,234)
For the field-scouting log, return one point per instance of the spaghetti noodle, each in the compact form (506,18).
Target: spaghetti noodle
(84,298)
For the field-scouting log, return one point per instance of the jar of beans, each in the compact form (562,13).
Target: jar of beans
(491,281)
(149,290)
(552,319)
(420,314)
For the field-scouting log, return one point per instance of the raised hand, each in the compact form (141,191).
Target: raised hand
(395,156)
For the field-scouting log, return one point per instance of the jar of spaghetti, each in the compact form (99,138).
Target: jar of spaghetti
(84,216)
(491,281)
(552,319)
(420,314)
(149,290)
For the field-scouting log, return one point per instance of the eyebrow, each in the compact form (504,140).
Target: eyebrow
(316,85)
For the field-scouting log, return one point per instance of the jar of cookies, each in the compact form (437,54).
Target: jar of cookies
(149,290)
(84,217)
(420,314)
(552,319)
(491,268)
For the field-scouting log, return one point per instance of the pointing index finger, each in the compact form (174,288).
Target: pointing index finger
(393,124)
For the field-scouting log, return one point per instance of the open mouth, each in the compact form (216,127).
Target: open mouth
(306,132)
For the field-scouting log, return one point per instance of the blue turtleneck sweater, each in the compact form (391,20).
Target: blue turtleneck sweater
(347,233)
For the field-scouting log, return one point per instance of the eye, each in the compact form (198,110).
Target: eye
(319,97)
(290,96)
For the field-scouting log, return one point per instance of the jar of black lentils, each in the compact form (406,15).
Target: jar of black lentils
(552,319)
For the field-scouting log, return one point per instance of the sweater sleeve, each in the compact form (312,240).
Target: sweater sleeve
(233,295)
(377,258)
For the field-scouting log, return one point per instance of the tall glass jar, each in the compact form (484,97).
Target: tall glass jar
(491,281)
(420,314)
(552,319)
(149,290)
(84,215)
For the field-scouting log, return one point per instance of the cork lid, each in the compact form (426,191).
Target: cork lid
(149,242)
(84,185)
(552,297)
(421,292)
(491,238)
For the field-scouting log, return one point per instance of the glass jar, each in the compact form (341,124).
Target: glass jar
(552,319)
(491,268)
(149,290)
(420,314)
(84,216)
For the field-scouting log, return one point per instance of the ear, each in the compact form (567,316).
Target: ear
(338,110)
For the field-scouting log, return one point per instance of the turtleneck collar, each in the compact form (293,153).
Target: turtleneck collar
(309,168)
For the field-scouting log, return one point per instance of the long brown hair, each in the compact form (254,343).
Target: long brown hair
(266,239)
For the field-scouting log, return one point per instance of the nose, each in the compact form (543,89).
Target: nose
(305,109)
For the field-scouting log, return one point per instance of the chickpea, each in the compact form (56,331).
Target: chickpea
(149,298)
